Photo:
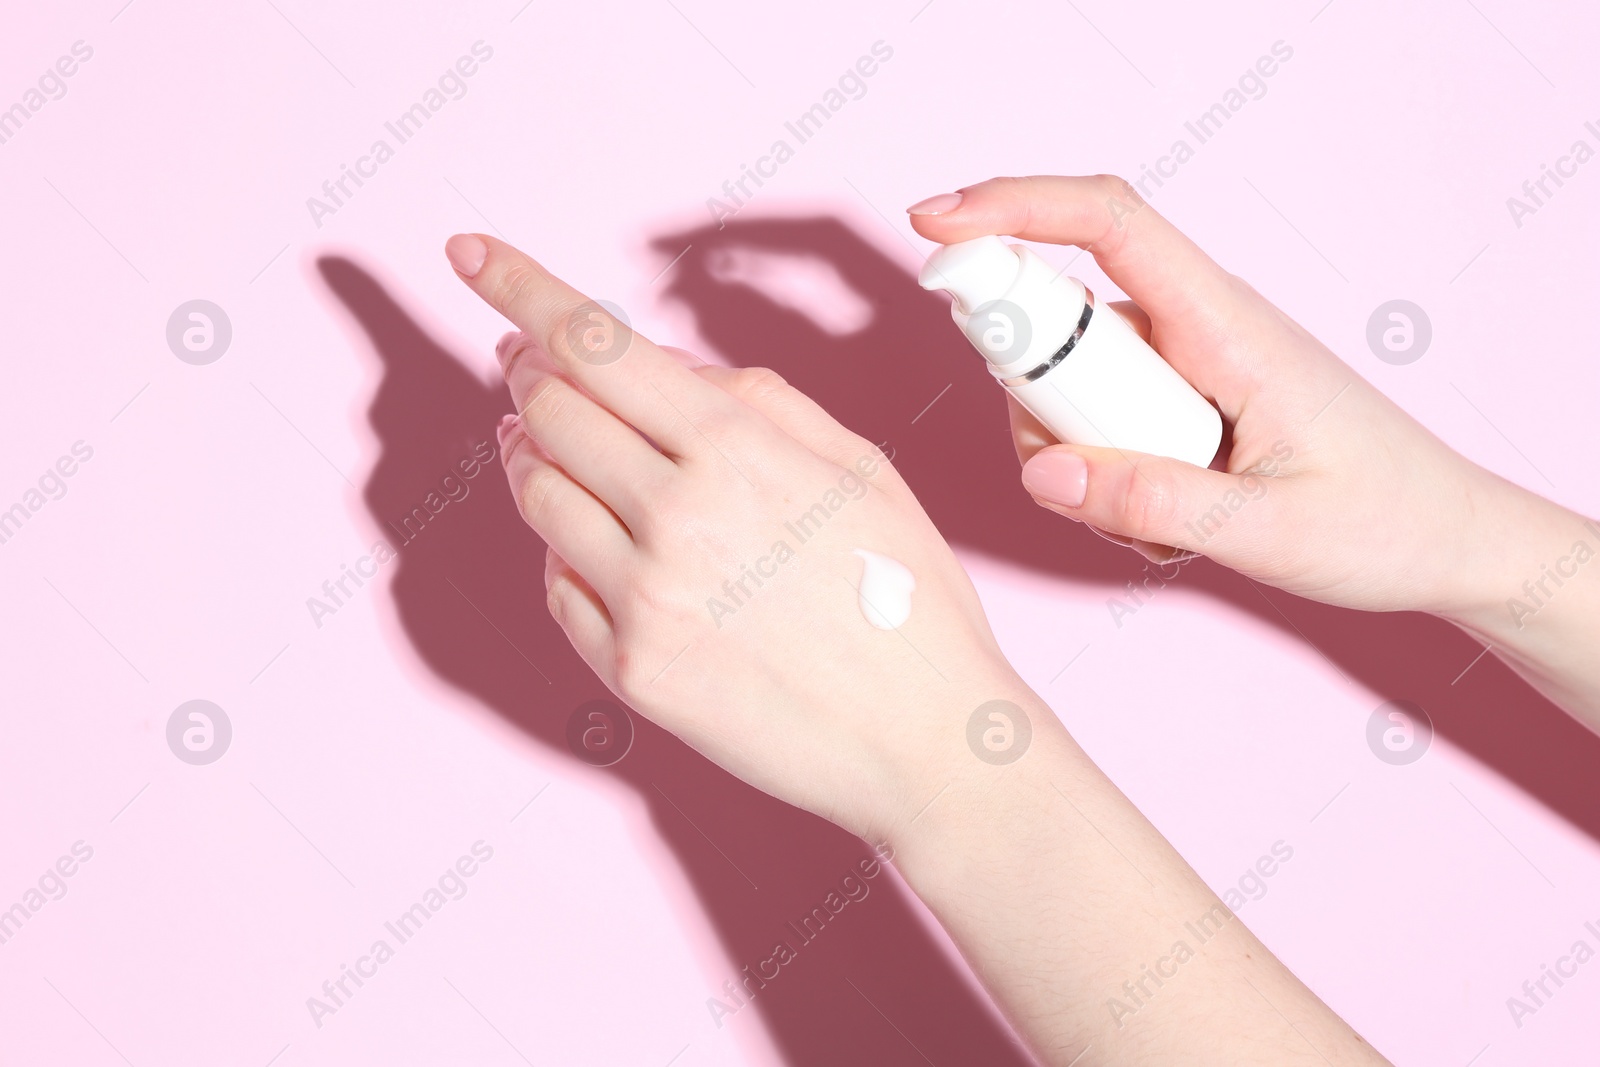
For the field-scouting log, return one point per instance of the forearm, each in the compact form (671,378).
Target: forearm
(1097,940)
(1535,599)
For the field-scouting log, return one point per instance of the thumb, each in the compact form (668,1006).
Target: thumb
(1150,498)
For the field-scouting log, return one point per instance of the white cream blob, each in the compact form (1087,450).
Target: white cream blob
(885,590)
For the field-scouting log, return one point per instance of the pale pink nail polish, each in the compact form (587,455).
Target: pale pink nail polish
(503,431)
(503,346)
(942,204)
(466,254)
(1059,477)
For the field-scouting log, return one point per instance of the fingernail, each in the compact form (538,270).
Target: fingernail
(936,205)
(501,432)
(684,356)
(1059,477)
(502,347)
(1116,539)
(466,254)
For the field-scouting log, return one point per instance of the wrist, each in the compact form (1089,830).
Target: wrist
(997,778)
(1521,555)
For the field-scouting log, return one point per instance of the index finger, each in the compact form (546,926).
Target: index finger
(1144,254)
(622,370)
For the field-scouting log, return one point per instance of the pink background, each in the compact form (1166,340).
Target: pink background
(372,751)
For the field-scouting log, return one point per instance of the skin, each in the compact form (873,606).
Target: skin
(654,481)
(1369,510)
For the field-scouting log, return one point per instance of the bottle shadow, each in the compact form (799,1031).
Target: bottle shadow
(957,455)
(874,985)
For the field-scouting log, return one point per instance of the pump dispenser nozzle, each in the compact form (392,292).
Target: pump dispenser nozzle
(974,272)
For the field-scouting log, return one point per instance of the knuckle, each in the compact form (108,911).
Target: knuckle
(557,334)
(516,288)
(760,378)
(585,330)
(514,349)
(1119,202)
(657,601)
(871,460)
(555,598)
(723,422)
(1117,187)
(861,448)
(505,348)
(633,673)
(1018,189)
(1021,194)
(759,383)
(547,399)
(1148,503)
(674,517)
(535,493)
(646,645)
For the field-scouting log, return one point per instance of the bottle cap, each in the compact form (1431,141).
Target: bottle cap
(973,272)
(1015,308)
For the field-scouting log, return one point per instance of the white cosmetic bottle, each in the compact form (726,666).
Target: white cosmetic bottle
(1075,364)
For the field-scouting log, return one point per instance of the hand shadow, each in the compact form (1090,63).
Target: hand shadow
(873,986)
(877,374)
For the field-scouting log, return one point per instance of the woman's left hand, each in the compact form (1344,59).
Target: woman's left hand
(706,529)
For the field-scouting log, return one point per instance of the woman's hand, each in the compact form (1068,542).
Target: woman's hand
(1330,490)
(704,528)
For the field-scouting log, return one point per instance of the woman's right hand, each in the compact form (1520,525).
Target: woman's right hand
(1330,490)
